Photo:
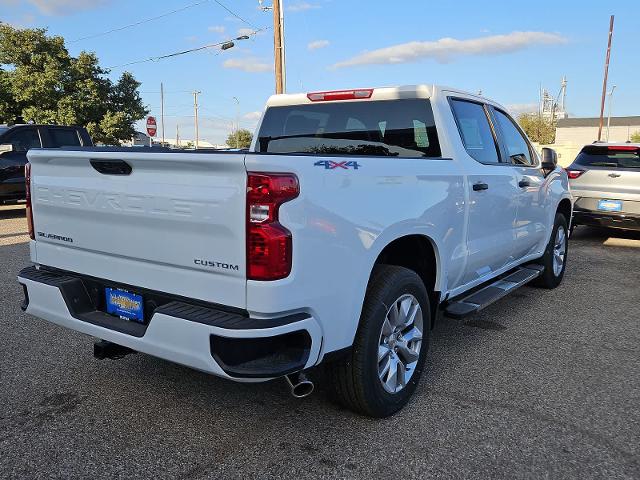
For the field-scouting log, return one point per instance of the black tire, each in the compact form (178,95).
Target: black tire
(353,380)
(549,279)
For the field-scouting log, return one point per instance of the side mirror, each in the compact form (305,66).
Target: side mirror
(6,148)
(549,159)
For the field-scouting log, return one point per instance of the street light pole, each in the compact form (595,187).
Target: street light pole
(162,110)
(610,93)
(195,108)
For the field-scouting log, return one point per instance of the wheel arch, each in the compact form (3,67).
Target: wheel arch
(417,252)
(565,208)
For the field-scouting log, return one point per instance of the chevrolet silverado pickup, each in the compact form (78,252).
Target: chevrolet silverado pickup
(356,219)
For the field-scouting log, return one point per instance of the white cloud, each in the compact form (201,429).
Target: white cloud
(448,49)
(64,7)
(245,31)
(315,45)
(253,116)
(518,108)
(248,64)
(302,7)
(217,29)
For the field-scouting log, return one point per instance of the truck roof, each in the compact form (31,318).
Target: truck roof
(377,93)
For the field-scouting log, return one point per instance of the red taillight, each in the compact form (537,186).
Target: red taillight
(27,185)
(573,174)
(269,244)
(340,95)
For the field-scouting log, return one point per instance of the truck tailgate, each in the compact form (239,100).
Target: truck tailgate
(175,223)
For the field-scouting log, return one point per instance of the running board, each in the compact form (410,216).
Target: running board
(493,292)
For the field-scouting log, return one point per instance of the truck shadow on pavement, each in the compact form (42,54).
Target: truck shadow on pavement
(12,211)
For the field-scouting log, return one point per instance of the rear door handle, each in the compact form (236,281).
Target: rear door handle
(480,186)
(524,183)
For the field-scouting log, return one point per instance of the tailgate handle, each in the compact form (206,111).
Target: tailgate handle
(111,167)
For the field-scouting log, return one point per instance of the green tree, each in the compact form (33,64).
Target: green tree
(537,128)
(240,139)
(41,81)
(635,137)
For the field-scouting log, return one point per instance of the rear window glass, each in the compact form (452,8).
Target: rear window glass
(609,158)
(64,138)
(396,128)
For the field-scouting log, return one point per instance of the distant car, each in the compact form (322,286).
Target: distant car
(16,140)
(605,183)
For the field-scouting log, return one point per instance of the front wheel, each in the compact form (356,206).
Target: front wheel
(554,259)
(382,371)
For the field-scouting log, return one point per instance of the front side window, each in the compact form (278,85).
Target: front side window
(515,143)
(389,128)
(24,139)
(475,131)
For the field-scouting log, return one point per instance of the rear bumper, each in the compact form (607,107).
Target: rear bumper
(624,221)
(224,343)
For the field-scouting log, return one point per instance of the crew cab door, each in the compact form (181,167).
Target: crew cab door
(492,193)
(531,227)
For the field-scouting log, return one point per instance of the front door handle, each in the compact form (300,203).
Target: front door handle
(480,186)
(524,183)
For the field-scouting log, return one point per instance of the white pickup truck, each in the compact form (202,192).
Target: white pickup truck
(355,219)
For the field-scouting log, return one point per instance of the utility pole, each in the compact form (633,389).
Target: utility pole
(606,74)
(278,46)
(162,111)
(613,87)
(195,109)
(178,135)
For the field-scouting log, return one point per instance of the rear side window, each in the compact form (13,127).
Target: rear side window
(394,128)
(24,139)
(609,157)
(515,143)
(62,137)
(475,131)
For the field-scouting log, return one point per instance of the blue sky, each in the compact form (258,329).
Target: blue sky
(506,49)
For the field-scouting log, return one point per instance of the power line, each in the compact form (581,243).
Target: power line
(236,15)
(191,50)
(157,17)
(140,22)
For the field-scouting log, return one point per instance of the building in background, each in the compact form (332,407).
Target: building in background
(585,130)
(574,133)
(141,139)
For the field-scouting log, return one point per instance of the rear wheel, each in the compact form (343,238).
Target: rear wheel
(382,370)
(554,259)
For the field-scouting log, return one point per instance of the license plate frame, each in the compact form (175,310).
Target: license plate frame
(606,205)
(124,304)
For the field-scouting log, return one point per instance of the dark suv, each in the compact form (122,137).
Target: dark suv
(16,140)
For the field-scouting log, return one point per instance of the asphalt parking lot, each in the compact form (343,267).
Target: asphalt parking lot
(544,384)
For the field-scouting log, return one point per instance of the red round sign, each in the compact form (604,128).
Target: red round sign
(152,127)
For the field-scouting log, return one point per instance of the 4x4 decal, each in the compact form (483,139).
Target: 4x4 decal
(331,165)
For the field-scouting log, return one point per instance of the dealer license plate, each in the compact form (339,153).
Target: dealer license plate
(124,304)
(610,205)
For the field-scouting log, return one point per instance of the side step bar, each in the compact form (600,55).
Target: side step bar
(491,293)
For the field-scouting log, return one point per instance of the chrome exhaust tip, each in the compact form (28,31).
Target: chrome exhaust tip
(299,384)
